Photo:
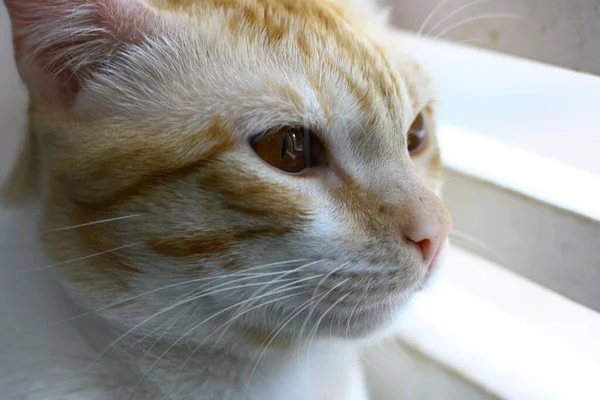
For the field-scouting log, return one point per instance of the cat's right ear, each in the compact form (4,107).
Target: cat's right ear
(61,43)
(58,45)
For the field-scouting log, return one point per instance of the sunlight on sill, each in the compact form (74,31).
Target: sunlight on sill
(530,174)
(510,336)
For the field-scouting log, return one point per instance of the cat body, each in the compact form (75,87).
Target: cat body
(231,197)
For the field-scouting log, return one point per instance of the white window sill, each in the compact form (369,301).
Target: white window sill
(536,216)
(533,175)
(511,337)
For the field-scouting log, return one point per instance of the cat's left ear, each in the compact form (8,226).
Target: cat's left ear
(61,43)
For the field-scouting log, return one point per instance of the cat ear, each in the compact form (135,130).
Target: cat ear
(60,43)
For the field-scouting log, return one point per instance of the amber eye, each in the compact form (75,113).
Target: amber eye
(289,149)
(417,135)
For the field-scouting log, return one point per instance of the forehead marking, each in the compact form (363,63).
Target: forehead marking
(310,25)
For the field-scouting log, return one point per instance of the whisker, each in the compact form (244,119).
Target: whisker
(452,14)
(467,41)
(289,272)
(256,296)
(77,259)
(295,270)
(164,310)
(103,221)
(236,316)
(166,330)
(302,307)
(179,316)
(170,286)
(151,333)
(314,295)
(191,293)
(377,363)
(437,8)
(123,336)
(316,328)
(191,317)
(366,360)
(187,334)
(480,245)
(329,274)
(479,18)
(352,314)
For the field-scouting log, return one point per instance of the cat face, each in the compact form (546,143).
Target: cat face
(267,161)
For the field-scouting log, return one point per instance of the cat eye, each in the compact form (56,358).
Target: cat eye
(417,135)
(289,149)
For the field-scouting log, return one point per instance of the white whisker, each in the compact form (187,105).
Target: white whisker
(175,320)
(437,8)
(191,331)
(467,41)
(452,14)
(238,315)
(292,271)
(164,310)
(350,319)
(316,328)
(151,333)
(79,259)
(314,295)
(103,221)
(243,273)
(478,18)
(282,326)
(481,245)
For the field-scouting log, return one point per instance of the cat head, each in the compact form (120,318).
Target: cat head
(269,162)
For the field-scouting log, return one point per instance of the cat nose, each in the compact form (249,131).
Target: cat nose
(429,228)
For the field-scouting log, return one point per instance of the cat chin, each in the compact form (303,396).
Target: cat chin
(359,324)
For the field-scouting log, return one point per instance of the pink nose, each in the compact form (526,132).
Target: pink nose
(429,228)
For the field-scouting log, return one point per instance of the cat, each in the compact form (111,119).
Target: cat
(235,195)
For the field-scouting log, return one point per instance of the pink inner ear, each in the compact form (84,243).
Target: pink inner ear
(57,42)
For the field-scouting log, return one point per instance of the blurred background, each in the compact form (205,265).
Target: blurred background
(565,33)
